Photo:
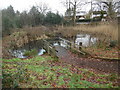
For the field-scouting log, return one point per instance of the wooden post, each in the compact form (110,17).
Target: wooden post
(48,49)
(73,45)
(70,45)
(80,44)
(67,44)
(58,42)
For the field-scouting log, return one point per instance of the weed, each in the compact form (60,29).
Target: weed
(100,80)
(112,77)
(55,59)
(33,52)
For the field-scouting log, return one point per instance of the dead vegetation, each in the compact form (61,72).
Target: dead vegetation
(19,37)
(109,31)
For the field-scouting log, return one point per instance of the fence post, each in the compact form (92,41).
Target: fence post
(80,45)
(74,45)
(58,42)
(48,49)
(70,45)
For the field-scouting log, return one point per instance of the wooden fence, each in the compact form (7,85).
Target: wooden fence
(73,46)
(51,50)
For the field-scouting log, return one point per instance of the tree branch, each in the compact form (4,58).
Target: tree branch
(106,3)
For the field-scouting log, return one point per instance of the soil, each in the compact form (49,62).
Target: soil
(88,62)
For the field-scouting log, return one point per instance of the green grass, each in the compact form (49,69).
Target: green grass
(47,72)
(12,60)
(33,52)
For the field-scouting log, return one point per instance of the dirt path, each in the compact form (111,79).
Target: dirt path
(97,64)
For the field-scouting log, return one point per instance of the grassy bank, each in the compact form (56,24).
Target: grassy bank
(47,72)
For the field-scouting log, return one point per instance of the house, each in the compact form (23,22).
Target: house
(79,15)
(102,15)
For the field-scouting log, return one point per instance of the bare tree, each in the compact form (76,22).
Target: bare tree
(42,7)
(73,5)
(111,6)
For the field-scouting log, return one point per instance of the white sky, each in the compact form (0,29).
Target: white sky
(21,5)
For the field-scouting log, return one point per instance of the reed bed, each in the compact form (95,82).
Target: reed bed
(107,30)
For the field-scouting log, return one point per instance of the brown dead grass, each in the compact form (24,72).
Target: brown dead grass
(0,49)
(107,30)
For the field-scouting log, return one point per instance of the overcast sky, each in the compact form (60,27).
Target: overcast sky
(21,5)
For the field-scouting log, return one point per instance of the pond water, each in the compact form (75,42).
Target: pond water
(19,52)
(85,39)
(61,43)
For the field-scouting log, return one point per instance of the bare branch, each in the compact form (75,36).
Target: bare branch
(42,7)
(106,3)
(72,3)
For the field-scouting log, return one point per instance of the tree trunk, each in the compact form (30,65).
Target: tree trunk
(74,15)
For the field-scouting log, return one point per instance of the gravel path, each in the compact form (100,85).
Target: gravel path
(97,64)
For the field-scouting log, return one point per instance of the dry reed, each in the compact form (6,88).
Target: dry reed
(107,30)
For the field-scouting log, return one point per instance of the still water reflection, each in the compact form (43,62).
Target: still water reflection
(85,39)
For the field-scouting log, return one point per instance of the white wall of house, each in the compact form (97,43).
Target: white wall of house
(98,15)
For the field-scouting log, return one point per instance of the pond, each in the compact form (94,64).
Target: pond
(34,45)
(19,53)
(85,39)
